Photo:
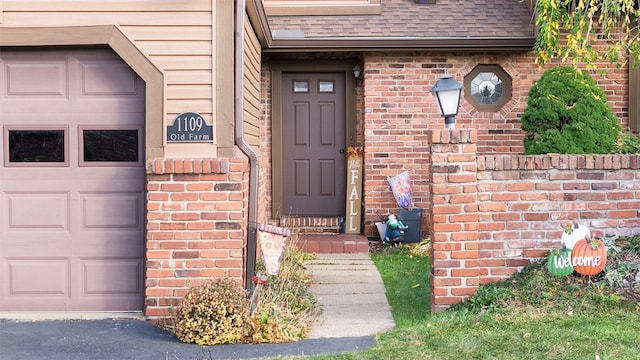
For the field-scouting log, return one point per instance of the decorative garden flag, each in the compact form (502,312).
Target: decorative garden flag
(272,240)
(401,187)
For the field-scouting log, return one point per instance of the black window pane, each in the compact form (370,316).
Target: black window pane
(110,145)
(36,146)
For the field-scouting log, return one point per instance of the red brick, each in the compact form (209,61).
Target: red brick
(184,197)
(158,292)
(446,300)
(622,214)
(446,281)
(461,178)
(464,255)
(172,187)
(185,216)
(159,273)
(185,254)
(155,311)
(158,254)
(464,218)
(214,254)
(447,227)
(173,226)
(200,244)
(493,207)
(447,209)
(173,245)
(462,199)
(463,291)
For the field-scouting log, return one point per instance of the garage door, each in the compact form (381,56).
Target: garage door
(71,181)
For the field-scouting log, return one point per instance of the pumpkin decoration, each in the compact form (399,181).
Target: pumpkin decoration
(573,233)
(589,256)
(559,262)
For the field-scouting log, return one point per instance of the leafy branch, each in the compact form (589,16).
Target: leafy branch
(587,30)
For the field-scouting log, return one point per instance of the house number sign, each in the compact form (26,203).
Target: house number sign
(189,127)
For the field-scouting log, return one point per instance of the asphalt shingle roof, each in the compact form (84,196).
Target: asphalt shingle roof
(406,19)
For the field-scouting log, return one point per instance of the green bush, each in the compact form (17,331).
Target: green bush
(568,113)
(628,143)
(213,313)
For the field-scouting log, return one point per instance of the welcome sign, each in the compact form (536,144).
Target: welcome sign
(587,257)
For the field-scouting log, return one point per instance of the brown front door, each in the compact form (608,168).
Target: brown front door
(313,144)
(72,182)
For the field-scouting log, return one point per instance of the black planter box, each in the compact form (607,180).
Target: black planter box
(413,219)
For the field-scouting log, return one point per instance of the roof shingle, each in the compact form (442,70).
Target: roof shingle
(406,19)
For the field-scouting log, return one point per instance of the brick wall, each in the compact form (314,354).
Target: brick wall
(493,214)
(399,110)
(196,224)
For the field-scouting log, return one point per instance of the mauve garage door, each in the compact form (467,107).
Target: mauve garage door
(71,181)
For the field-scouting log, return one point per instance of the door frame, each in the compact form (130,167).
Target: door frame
(279,67)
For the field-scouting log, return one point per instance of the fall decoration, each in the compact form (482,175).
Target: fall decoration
(573,233)
(589,256)
(559,262)
(272,240)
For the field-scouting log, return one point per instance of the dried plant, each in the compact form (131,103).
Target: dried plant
(285,307)
(213,313)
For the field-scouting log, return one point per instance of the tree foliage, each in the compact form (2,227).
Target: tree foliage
(573,29)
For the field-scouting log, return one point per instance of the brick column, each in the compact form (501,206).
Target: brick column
(196,216)
(454,217)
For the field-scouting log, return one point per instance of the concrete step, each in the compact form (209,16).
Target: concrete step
(333,243)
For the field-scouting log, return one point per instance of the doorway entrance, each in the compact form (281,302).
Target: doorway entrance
(313,144)
(313,122)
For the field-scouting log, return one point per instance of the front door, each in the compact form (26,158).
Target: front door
(313,144)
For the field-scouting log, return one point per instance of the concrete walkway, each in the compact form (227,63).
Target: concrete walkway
(351,294)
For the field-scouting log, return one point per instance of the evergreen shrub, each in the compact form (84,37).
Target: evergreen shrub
(568,113)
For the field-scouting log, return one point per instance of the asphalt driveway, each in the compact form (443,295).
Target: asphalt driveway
(136,339)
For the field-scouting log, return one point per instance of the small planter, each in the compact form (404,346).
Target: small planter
(382,229)
(413,219)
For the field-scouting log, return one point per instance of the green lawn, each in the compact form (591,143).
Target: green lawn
(531,316)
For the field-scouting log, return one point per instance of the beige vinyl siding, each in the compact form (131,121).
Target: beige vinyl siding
(252,65)
(106,5)
(176,35)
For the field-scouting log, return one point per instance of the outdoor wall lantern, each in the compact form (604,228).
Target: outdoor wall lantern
(447,92)
(357,72)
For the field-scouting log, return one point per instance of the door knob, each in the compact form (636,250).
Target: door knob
(341,151)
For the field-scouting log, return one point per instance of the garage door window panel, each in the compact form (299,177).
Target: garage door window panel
(110,147)
(36,146)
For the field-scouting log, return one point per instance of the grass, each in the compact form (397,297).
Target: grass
(410,293)
(532,315)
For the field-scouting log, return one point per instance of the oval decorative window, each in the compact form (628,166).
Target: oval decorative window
(487,87)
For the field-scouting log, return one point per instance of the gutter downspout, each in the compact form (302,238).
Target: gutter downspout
(246,149)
